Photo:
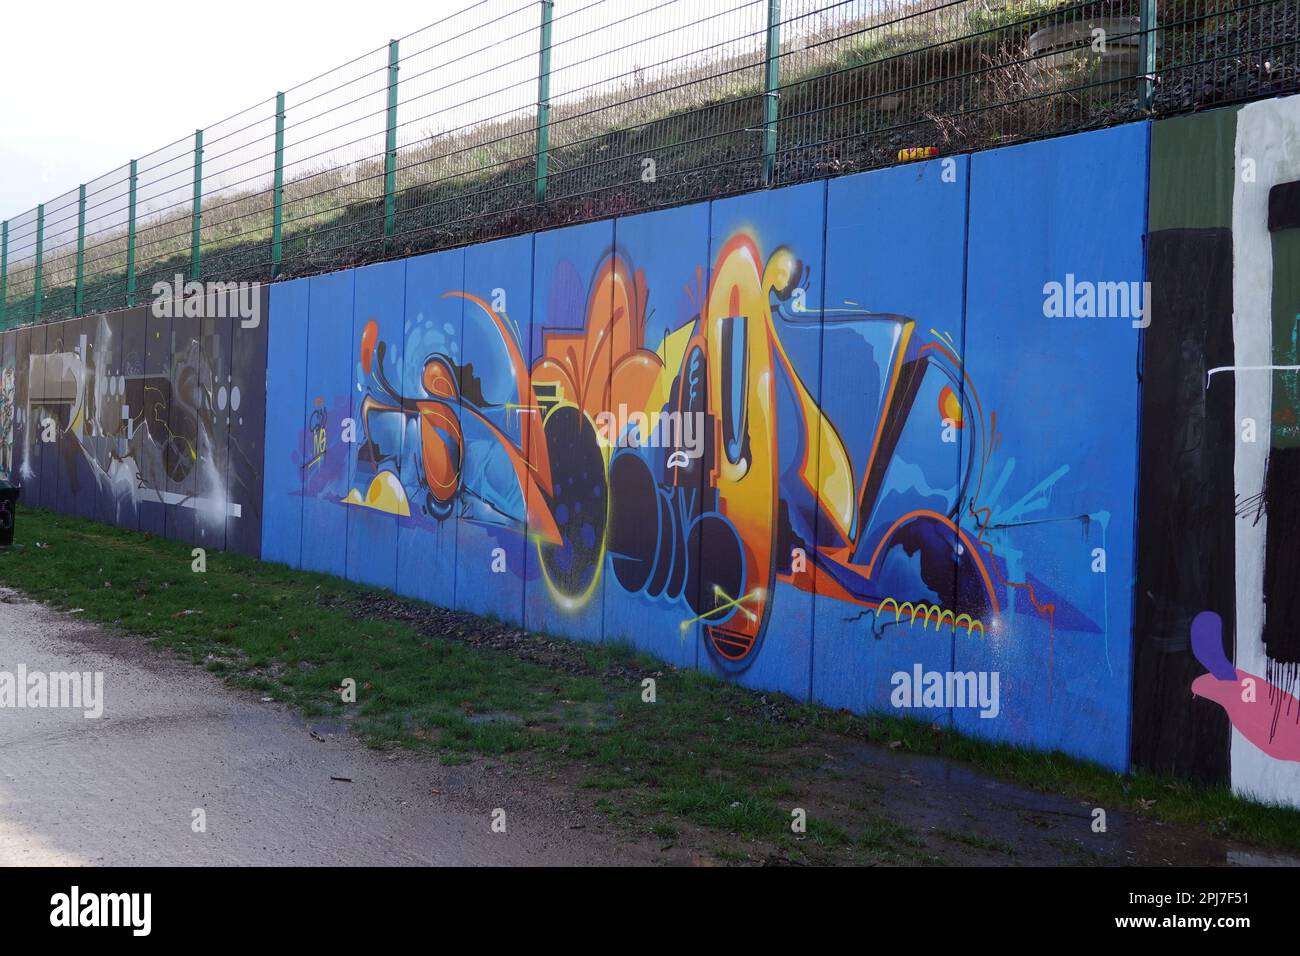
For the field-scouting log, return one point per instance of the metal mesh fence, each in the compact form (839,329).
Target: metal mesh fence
(104,278)
(466,126)
(164,218)
(512,115)
(333,164)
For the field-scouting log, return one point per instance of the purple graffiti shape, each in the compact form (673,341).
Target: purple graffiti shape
(1207,645)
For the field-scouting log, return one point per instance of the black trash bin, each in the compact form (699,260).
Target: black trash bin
(8,508)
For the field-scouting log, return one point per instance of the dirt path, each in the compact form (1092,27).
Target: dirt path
(964,817)
(121,789)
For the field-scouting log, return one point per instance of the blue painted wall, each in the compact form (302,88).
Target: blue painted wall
(326,416)
(1057,490)
(902,462)
(288,438)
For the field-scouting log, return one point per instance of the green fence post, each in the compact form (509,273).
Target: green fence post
(277,221)
(4,270)
(1147,53)
(771,88)
(130,240)
(196,217)
(543,156)
(40,243)
(390,147)
(80,305)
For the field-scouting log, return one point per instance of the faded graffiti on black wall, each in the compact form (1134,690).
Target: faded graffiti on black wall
(139,421)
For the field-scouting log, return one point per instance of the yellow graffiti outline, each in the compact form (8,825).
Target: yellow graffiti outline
(170,434)
(929,612)
(729,603)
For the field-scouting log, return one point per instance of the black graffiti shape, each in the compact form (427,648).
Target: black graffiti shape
(1284,206)
(635,520)
(1282,556)
(1186,552)
(471,386)
(1282,473)
(787,540)
(1251,507)
(371,454)
(937,573)
(578,501)
(722,563)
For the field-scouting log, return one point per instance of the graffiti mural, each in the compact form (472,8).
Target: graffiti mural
(771,470)
(703,432)
(140,422)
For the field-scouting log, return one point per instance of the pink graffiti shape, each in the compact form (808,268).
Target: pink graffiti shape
(1255,719)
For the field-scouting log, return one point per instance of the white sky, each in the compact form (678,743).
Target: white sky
(86,85)
(71,69)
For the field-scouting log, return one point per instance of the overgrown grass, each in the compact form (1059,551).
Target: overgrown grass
(707,752)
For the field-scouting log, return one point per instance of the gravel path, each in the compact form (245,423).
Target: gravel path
(122,789)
